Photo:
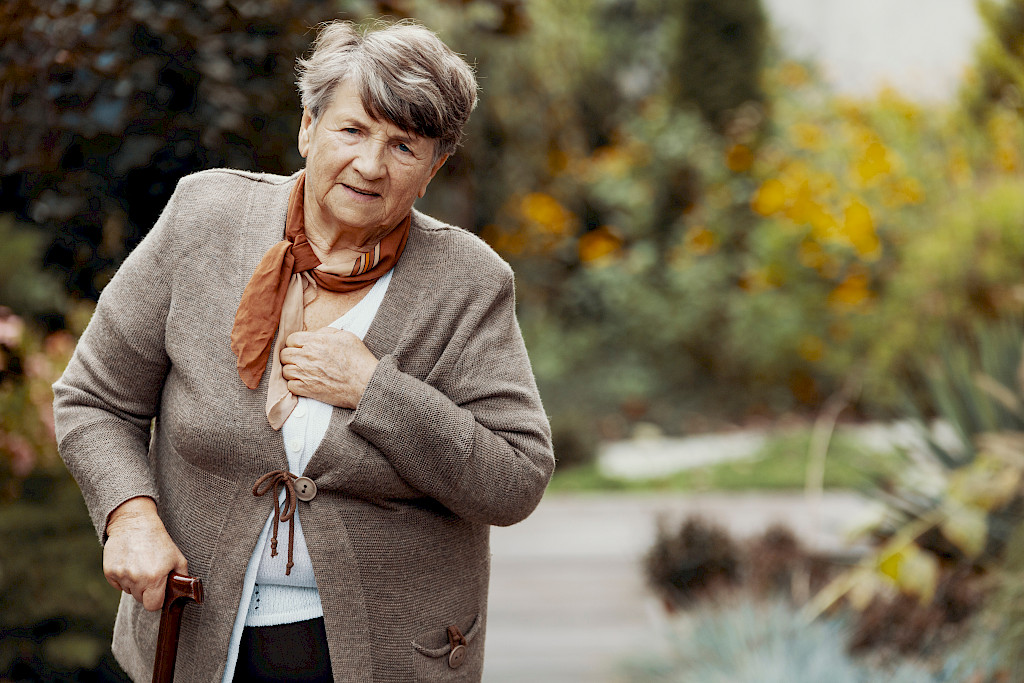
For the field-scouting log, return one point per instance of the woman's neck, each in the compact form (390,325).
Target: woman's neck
(327,239)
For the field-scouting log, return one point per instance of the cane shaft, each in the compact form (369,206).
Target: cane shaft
(180,589)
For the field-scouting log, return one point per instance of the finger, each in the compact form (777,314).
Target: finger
(290,371)
(153,597)
(297,339)
(116,577)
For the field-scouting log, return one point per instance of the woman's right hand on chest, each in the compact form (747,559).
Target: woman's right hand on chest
(139,553)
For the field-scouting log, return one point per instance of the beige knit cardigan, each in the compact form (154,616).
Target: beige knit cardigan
(449,438)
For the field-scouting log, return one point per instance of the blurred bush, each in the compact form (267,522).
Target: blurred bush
(954,514)
(698,562)
(769,642)
(29,364)
(999,78)
(717,66)
(56,609)
(25,287)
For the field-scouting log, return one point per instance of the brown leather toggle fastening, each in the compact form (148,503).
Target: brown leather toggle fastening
(459,644)
(274,480)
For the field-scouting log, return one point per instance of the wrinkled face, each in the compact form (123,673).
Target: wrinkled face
(362,175)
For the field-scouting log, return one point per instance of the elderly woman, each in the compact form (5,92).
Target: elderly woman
(308,362)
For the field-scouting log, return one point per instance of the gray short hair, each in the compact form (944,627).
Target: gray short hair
(404,74)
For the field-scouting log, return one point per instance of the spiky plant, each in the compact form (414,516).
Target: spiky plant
(761,643)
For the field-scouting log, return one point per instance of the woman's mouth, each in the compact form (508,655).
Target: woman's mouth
(365,193)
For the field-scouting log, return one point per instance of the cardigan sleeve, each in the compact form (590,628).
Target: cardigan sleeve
(108,395)
(482,446)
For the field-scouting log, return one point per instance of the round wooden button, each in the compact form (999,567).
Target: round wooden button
(305,489)
(457,656)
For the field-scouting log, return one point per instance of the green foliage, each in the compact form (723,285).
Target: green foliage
(721,53)
(999,80)
(107,104)
(975,387)
(667,273)
(941,546)
(56,609)
(1005,613)
(29,363)
(761,643)
(24,286)
(958,276)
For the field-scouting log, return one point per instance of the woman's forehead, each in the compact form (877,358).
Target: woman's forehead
(347,103)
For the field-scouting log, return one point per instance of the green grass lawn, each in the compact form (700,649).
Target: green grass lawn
(780,465)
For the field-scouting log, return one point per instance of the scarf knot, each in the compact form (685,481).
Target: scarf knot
(272,302)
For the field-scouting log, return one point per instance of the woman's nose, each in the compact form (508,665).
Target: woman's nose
(369,160)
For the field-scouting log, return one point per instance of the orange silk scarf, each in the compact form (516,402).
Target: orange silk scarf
(276,295)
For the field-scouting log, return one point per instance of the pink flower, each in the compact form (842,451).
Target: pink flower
(23,459)
(59,345)
(11,328)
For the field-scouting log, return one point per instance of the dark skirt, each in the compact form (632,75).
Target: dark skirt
(289,652)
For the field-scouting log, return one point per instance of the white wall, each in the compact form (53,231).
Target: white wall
(920,47)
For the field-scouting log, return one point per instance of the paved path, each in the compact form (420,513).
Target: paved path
(567,599)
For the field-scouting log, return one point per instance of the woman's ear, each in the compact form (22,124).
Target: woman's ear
(304,132)
(433,171)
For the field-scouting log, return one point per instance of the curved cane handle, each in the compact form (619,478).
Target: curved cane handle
(180,589)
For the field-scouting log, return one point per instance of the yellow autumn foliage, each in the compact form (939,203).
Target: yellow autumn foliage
(873,163)
(599,245)
(859,229)
(739,158)
(770,197)
(812,348)
(808,136)
(793,75)
(853,292)
(546,215)
(699,240)
(903,191)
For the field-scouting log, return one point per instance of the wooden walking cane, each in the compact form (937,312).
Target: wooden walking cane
(180,589)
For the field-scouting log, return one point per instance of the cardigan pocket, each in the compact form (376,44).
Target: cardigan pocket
(193,505)
(435,660)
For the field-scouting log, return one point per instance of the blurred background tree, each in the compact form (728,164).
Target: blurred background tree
(106,104)
(717,66)
(999,80)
